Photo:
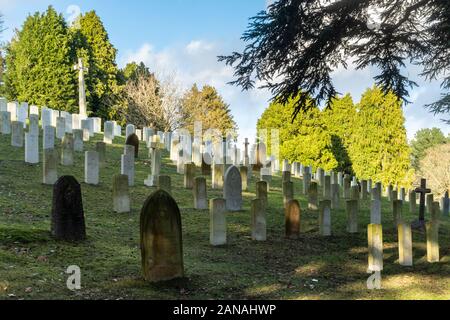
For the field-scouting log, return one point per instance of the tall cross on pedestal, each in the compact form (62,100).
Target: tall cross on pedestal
(423,192)
(246,157)
(81,87)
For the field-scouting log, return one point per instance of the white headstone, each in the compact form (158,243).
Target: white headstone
(60,127)
(48,138)
(91,167)
(13,108)
(130,130)
(17,134)
(31,148)
(127,167)
(109,132)
(22,114)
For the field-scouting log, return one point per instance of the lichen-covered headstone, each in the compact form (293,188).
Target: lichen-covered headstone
(161,238)
(259,229)
(352,216)
(67,150)
(375,247)
(288,192)
(232,189)
(313,197)
(50,167)
(67,211)
(405,244)
(217,222)
(189,175)
(261,192)
(121,194)
(325,218)
(199,192)
(292,219)
(244,177)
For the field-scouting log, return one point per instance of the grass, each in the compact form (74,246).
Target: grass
(32,264)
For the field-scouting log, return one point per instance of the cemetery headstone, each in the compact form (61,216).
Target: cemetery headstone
(17,134)
(232,189)
(218,223)
(288,192)
(67,148)
(91,167)
(292,219)
(261,192)
(352,216)
(313,197)
(127,167)
(259,228)
(375,241)
(200,196)
(121,194)
(100,147)
(325,218)
(405,244)
(244,177)
(161,238)
(133,140)
(49,138)
(31,148)
(67,211)
(189,175)
(432,231)
(422,190)
(78,141)
(50,167)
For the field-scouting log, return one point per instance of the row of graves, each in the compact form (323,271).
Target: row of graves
(230,171)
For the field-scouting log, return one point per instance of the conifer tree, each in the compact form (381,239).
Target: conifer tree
(378,148)
(207,106)
(92,43)
(304,140)
(39,64)
(340,124)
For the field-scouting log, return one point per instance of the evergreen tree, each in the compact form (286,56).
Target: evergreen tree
(340,124)
(207,106)
(424,140)
(92,43)
(305,140)
(132,71)
(379,148)
(39,64)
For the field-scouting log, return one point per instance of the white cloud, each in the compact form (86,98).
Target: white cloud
(196,62)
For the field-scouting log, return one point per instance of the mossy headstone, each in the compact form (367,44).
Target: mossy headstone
(161,238)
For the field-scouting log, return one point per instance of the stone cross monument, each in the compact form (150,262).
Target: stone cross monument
(81,87)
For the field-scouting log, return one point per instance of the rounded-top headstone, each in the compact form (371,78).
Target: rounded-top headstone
(161,238)
(67,211)
(133,140)
(232,189)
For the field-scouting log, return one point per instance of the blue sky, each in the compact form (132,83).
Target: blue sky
(183,37)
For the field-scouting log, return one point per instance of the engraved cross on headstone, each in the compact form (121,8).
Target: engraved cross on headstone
(422,190)
(81,86)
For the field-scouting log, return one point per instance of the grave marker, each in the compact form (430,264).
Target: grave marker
(67,211)
(218,224)
(161,238)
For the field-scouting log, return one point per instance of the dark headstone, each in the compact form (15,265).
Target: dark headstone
(133,140)
(67,211)
(161,238)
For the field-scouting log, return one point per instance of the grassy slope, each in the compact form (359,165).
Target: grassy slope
(32,265)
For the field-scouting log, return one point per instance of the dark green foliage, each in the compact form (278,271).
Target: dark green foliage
(40,60)
(207,106)
(304,140)
(367,139)
(303,42)
(39,63)
(378,147)
(424,140)
(92,43)
(132,71)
